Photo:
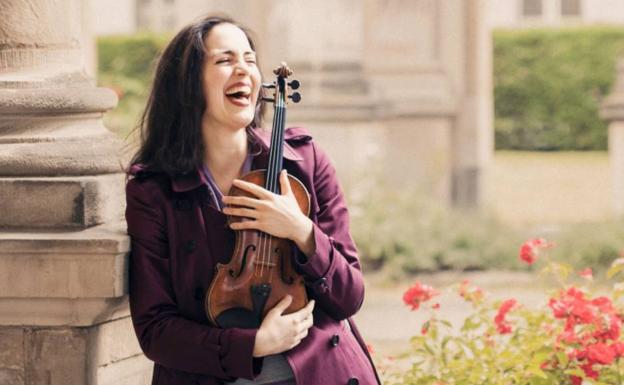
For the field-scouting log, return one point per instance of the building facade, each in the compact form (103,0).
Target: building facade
(553,13)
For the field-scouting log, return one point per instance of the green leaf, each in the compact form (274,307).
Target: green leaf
(536,371)
(616,267)
(562,358)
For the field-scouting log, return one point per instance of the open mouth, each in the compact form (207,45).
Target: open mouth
(239,95)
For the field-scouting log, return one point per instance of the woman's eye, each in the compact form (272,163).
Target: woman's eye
(223,61)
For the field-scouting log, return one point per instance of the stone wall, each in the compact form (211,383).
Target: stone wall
(63,249)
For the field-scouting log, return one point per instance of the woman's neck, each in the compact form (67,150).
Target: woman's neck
(226,150)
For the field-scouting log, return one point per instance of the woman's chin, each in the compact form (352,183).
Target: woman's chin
(242,120)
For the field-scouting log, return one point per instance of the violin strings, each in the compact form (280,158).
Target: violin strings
(275,177)
(264,241)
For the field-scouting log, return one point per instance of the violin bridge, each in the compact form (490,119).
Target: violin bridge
(265,263)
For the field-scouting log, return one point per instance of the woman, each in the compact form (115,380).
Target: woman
(200,132)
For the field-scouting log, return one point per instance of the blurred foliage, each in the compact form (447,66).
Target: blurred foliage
(405,233)
(402,233)
(548,86)
(126,64)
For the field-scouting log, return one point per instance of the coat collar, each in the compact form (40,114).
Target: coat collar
(260,142)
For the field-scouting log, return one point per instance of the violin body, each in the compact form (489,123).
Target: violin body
(260,272)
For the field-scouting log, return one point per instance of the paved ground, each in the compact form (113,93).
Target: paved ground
(387,324)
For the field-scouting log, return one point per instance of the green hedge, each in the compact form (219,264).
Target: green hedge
(126,64)
(548,85)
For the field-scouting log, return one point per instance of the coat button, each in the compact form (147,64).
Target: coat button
(322,286)
(334,340)
(190,245)
(353,381)
(199,293)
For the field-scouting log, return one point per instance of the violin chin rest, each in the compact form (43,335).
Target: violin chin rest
(238,317)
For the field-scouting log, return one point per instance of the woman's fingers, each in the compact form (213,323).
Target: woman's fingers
(242,201)
(283,304)
(284,183)
(252,188)
(241,212)
(245,225)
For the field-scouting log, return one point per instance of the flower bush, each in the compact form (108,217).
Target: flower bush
(574,338)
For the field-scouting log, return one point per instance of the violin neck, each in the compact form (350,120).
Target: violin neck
(277,149)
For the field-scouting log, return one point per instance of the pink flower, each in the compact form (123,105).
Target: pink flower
(418,294)
(530,250)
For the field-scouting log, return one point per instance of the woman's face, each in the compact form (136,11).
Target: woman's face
(231,79)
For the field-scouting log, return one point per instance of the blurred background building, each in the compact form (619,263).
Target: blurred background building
(119,16)
(400,83)
(553,13)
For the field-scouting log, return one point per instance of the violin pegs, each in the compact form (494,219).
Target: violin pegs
(268,85)
(295,97)
(294,84)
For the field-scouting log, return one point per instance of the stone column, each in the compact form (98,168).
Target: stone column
(63,248)
(473,139)
(613,112)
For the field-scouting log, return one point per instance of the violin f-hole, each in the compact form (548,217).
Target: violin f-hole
(249,248)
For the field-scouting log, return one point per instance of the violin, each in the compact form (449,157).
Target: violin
(260,272)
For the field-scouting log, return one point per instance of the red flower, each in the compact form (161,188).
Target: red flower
(589,371)
(369,347)
(618,349)
(586,273)
(530,250)
(572,303)
(576,380)
(417,294)
(600,353)
(502,325)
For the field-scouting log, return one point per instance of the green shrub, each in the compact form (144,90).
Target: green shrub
(548,86)
(126,64)
(404,233)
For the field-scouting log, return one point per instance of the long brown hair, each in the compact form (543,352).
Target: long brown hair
(170,126)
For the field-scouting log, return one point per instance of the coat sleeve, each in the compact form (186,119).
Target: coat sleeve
(333,272)
(165,336)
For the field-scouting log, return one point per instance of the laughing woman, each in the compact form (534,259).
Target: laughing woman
(199,133)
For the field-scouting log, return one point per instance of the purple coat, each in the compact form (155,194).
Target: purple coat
(178,237)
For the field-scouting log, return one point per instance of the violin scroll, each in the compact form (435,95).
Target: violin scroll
(279,86)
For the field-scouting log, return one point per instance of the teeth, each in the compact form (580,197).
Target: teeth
(245,90)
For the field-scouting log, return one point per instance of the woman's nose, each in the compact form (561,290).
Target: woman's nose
(241,69)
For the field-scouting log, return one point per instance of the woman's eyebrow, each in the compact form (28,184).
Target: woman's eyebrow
(231,53)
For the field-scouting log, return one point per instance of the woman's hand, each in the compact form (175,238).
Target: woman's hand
(278,332)
(278,215)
